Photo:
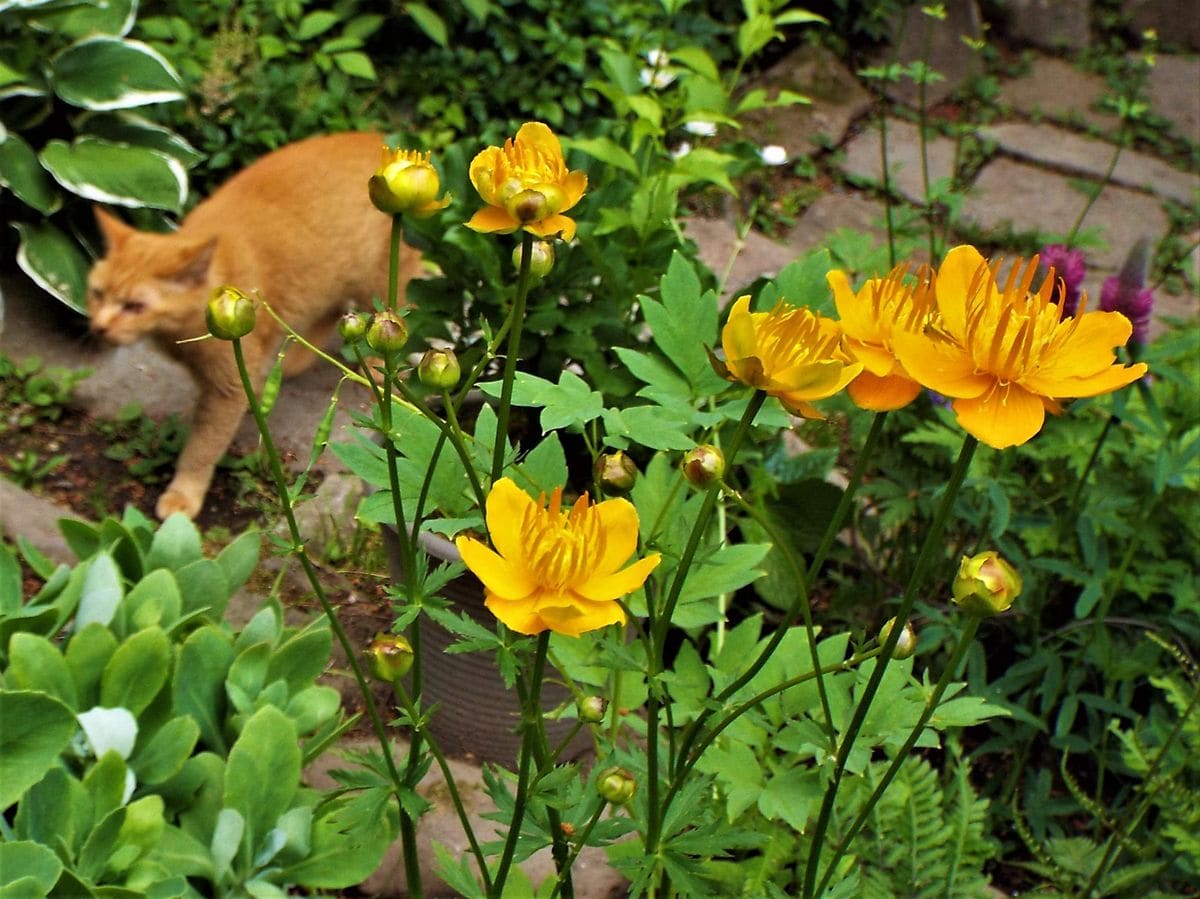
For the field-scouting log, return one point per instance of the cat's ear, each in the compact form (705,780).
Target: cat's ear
(114,230)
(190,268)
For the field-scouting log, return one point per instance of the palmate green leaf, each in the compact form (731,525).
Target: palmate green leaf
(113,73)
(569,403)
(21,173)
(683,322)
(119,174)
(653,427)
(37,728)
(55,263)
(802,283)
(543,468)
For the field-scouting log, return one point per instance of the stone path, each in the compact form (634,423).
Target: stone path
(1054,137)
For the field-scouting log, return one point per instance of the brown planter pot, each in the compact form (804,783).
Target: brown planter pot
(476,716)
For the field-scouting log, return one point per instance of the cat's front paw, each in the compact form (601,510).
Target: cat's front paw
(175,500)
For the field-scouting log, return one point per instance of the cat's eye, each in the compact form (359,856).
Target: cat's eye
(133,307)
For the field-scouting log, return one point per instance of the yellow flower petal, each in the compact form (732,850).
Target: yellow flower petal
(940,365)
(616,585)
(500,576)
(1002,417)
(955,277)
(619,523)
(553,226)
(507,507)
(578,617)
(882,394)
(520,615)
(493,220)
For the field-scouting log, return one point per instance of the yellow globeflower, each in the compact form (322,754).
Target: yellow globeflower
(526,185)
(406,182)
(868,319)
(554,569)
(790,353)
(1003,352)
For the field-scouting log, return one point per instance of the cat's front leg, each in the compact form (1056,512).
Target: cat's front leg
(218,414)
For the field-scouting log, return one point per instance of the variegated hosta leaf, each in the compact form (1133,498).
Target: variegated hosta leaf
(125,127)
(113,17)
(55,262)
(113,73)
(117,173)
(21,173)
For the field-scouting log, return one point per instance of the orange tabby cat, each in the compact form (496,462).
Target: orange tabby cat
(297,227)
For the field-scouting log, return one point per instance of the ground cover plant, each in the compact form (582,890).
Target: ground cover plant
(945,642)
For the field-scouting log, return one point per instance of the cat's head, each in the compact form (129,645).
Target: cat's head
(146,282)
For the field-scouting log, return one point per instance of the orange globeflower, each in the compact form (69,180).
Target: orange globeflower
(790,353)
(868,319)
(1004,354)
(554,569)
(526,185)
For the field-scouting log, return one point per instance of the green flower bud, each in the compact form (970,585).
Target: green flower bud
(387,333)
(704,465)
(229,314)
(906,643)
(439,369)
(389,656)
(592,709)
(616,473)
(541,258)
(986,585)
(352,326)
(406,182)
(616,785)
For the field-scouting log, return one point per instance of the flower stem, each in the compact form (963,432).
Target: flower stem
(532,711)
(931,547)
(517,317)
(931,704)
(578,848)
(412,868)
(394,261)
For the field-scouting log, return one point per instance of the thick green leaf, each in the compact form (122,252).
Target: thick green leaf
(10,581)
(199,685)
(120,174)
(102,592)
(175,544)
(164,754)
(263,771)
(37,727)
(239,559)
(346,849)
(21,173)
(34,663)
(112,73)
(204,586)
(137,671)
(48,811)
(88,653)
(154,600)
(26,859)
(303,657)
(55,263)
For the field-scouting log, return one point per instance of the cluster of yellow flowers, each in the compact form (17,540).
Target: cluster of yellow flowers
(1001,352)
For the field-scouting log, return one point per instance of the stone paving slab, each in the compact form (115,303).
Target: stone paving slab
(1050,24)
(1011,193)
(1173,85)
(756,255)
(1057,90)
(1176,21)
(864,164)
(1060,149)
(940,43)
(837,100)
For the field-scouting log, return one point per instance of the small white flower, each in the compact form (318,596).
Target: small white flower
(656,78)
(700,127)
(773,154)
(682,150)
(657,57)
(107,729)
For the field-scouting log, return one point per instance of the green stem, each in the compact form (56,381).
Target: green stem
(931,704)
(532,713)
(1095,194)
(661,621)
(517,316)
(394,261)
(410,709)
(412,868)
(931,547)
(579,844)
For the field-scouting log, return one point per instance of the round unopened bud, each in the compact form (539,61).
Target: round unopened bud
(592,709)
(616,785)
(906,643)
(352,326)
(406,183)
(439,369)
(541,258)
(986,584)
(703,465)
(229,314)
(387,333)
(389,656)
(616,473)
